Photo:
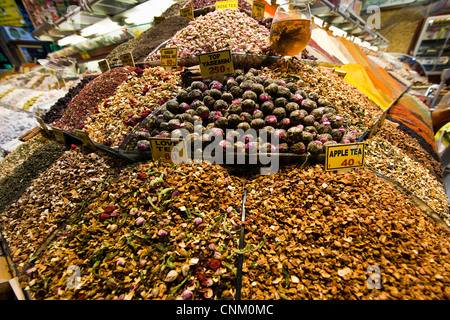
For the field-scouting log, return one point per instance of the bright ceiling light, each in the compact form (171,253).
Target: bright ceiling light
(73,39)
(100,28)
(145,12)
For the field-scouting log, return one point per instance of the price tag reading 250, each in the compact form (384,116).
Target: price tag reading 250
(215,63)
(344,156)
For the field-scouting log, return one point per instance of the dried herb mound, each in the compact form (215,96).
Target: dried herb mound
(395,164)
(219,30)
(52,196)
(56,111)
(147,41)
(13,185)
(153,232)
(132,102)
(313,229)
(90,96)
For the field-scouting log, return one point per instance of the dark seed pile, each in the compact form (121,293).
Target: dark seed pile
(141,46)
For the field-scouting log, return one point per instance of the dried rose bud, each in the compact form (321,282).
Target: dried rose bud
(134,211)
(176,193)
(162,233)
(139,221)
(212,246)
(229,209)
(197,221)
(171,276)
(142,264)
(186,295)
(120,262)
(185,269)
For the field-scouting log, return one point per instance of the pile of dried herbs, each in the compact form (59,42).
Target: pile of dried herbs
(154,232)
(322,235)
(51,197)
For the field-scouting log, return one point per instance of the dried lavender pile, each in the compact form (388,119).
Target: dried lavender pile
(220,30)
(316,233)
(351,103)
(90,96)
(303,123)
(51,197)
(154,232)
(13,185)
(146,42)
(57,109)
(132,102)
(395,164)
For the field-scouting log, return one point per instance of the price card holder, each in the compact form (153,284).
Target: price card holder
(187,12)
(103,65)
(258,9)
(158,20)
(84,137)
(344,156)
(84,55)
(43,125)
(168,150)
(127,59)
(221,5)
(216,63)
(169,57)
(59,135)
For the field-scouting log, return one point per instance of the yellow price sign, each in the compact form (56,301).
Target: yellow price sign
(258,9)
(167,150)
(59,135)
(103,65)
(84,137)
(221,5)
(127,59)
(169,57)
(187,12)
(216,63)
(84,55)
(158,20)
(42,124)
(344,156)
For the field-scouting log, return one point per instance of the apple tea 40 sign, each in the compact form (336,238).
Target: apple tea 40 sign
(344,156)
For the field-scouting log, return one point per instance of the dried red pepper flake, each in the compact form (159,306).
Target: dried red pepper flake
(142,176)
(104,216)
(161,102)
(139,71)
(214,264)
(72,146)
(109,208)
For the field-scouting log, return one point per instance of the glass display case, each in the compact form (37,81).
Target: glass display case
(432,49)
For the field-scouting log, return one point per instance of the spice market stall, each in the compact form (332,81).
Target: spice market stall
(197,230)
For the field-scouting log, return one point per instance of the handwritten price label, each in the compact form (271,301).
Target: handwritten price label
(169,57)
(103,65)
(258,9)
(59,135)
(158,20)
(215,63)
(221,5)
(127,59)
(84,137)
(187,12)
(84,55)
(344,156)
(166,150)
